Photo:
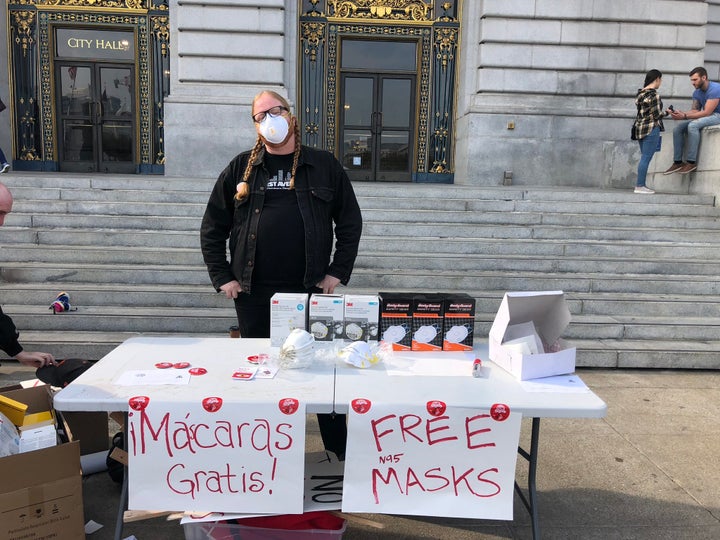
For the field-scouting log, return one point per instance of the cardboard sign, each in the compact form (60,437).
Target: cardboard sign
(216,455)
(323,490)
(431,460)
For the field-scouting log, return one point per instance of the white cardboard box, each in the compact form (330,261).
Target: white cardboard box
(325,316)
(362,317)
(550,315)
(287,312)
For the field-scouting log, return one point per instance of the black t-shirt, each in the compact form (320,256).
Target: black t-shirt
(280,252)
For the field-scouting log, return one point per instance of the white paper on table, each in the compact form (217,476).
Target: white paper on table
(266,371)
(445,363)
(152,377)
(567,384)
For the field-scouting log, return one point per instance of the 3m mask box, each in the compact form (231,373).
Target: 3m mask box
(525,335)
(362,315)
(288,311)
(325,319)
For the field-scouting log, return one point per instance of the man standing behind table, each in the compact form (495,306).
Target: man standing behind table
(705,112)
(282,206)
(8,333)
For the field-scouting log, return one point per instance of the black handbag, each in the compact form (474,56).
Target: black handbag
(633,132)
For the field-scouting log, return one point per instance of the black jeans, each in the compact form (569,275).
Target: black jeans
(253,314)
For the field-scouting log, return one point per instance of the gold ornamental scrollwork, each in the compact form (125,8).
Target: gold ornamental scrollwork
(161,29)
(312,35)
(446,43)
(24,37)
(127,4)
(396,10)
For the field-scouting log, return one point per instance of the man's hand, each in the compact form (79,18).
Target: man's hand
(35,359)
(328,284)
(231,289)
(677,115)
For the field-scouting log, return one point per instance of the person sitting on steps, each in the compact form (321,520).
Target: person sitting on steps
(705,112)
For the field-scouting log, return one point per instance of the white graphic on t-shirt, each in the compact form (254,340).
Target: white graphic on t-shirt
(280,181)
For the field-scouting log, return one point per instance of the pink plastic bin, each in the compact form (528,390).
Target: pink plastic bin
(219,530)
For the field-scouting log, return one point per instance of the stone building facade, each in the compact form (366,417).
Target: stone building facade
(477,92)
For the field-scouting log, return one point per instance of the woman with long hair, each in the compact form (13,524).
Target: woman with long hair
(648,125)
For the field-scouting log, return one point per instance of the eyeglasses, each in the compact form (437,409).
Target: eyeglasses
(274,112)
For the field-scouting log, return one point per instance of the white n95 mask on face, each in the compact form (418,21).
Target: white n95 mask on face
(274,129)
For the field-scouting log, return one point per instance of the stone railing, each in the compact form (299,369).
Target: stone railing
(706,179)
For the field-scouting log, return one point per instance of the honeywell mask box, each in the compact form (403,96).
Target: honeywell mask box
(427,322)
(458,322)
(396,320)
(288,311)
(325,316)
(362,316)
(525,336)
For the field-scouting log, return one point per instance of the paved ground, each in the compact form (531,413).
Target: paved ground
(650,470)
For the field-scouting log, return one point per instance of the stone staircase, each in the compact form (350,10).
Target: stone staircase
(640,272)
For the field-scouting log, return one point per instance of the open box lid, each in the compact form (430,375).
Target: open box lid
(546,309)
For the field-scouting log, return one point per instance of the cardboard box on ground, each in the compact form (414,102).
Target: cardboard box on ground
(41,489)
(525,335)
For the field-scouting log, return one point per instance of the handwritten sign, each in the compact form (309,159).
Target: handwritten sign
(216,456)
(323,490)
(431,460)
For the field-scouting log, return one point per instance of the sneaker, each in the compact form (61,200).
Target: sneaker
(687,168)
(5,168)
(674,168)
(643,189)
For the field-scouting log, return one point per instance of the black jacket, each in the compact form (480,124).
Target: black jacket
(9,336)
(325,197)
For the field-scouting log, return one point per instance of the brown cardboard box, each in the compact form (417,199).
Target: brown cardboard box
(41,494)
(38,401)
(37,426)
(88,428)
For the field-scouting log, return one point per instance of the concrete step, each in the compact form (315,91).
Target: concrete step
(147,233)
(560,277)
(114,183)
(143,319)
(389,247)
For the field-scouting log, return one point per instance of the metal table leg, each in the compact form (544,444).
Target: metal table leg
(530,502)
(122,506)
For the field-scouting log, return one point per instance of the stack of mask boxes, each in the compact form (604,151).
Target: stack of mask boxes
(427,322)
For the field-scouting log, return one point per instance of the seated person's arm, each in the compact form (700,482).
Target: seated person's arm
(710,106)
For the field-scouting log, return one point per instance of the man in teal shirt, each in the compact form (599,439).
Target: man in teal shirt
(705,112)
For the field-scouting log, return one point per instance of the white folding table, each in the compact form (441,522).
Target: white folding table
(324,387)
